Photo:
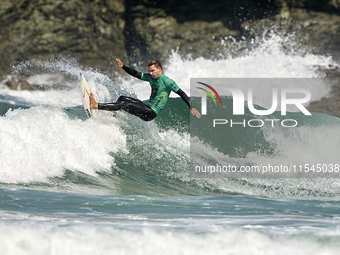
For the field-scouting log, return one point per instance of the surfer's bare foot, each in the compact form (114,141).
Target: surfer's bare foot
(93,103)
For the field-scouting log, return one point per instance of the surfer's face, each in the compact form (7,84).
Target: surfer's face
(155,72)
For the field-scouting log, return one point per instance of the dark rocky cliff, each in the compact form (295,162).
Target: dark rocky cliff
(96,31)
(91,31)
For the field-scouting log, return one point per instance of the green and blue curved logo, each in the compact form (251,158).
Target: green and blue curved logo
(209,93)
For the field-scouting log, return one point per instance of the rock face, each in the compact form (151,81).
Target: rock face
(329,105)
(315,24)
(95,32)
(158,34)
(91,31)
(195,28)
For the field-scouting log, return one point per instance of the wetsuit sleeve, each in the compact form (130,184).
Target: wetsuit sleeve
(185,98)
(132,72)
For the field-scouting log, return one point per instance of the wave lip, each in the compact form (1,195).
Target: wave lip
(41,142)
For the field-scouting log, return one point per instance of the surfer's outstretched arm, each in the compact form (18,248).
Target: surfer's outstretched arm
(129,70)
(132,72)
(187,100)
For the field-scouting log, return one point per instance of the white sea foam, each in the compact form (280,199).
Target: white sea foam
(99,239)
(269,60)
(42,142)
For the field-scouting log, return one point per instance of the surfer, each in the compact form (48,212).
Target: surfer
(161,87)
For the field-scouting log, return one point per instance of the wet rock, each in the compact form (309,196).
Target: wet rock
(330,104)
(159,34)
(12,82)
(314,31)
(90,31)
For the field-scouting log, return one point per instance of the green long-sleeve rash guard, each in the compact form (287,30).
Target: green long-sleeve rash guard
(161,89)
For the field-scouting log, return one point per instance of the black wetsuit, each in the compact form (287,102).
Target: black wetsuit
(146,111)
(130,105)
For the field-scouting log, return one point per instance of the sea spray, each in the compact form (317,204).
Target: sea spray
(128,156)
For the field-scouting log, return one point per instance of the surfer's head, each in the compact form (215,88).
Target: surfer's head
(155,68)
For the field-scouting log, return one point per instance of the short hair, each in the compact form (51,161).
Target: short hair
(156,63)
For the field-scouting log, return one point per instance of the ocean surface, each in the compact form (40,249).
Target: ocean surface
(73,185)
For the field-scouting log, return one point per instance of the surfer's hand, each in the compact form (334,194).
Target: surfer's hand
(120,63)
(195,113)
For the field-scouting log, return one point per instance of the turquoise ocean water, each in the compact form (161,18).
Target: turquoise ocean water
(72,185)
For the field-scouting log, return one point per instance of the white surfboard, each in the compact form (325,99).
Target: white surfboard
(85,97)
